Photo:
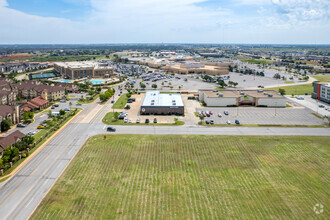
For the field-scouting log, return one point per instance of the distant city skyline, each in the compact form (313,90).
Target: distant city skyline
(165,21)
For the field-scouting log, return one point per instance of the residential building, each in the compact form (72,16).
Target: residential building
(227,98)
(10,139)
(85,69)
(38,103)
(13,113)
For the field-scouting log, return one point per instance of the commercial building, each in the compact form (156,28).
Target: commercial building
(227,98)
(84,69)
(156,103)
(321,91)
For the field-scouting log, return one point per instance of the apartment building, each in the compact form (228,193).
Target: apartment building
(85,69)
(321,91)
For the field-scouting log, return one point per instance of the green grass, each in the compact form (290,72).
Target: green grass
(318,116)
(296,90)
(321,78)
(88,101)
(193,177)
(256,61)
(57,58)
(110,120)
(121,102)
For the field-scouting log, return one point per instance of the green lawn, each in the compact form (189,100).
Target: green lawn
(322,78)
(296,90)
(57,58)
(88,101)
(193,177)
(110,120)
(121,102)
(256,61)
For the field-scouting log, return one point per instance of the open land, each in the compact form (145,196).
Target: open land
(189,177)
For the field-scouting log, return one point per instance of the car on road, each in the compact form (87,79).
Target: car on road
(112,101)
(118,94)
(41,127)
(207,112)
(63,101)
(219,115)
(226,112)
(31,133)
(111,129)
(138,120)
(237,122)
(212,122)
(21,125)
(147,121)
(321,106)
(228,122)
(66,109)
(125,120)
(260,86)
(204,115)
(78,104)
(155,120)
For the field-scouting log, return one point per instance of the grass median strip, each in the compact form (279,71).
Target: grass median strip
(192,177)
(121,102)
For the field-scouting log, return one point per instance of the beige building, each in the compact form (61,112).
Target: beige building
(226,98)
(84,69)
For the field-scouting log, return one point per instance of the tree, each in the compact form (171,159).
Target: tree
(103,97)
(98,89)
(222,83)
(281,91)
(201,117)
(62,112)
(27,116)
(66,92)
(128,95)
(230,68)
(142,85)
(50,115)
(116,116)
(5,125)
(154,86)
(277,76)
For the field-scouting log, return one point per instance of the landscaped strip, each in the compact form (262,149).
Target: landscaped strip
(121,102)
(192,177)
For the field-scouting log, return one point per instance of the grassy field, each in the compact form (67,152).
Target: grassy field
(296,90)
(110,120)
(193,177)
(321,78)
(121,102)
(57,58)
(256,61)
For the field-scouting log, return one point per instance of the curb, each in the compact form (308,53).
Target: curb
(10,175)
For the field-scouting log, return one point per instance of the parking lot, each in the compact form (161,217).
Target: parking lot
(254,115)
(312,104)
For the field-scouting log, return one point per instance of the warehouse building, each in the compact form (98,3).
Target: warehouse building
(85,69)
(156,103)
(321,91)
(228,98)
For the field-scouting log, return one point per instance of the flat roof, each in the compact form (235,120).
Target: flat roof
(237,93)
(155,98)
(82,64)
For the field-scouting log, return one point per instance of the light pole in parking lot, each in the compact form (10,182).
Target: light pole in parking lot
(275,108)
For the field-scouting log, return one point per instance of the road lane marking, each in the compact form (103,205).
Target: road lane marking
(42,176)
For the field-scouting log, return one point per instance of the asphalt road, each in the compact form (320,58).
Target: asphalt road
(22,194)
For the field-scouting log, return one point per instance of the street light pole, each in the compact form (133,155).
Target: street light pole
(275,108)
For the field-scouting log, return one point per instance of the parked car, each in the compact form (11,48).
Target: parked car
(321,106)
(138,120)
(63,101)
(78,104)
(226,112)
(56,105)
(207,122)
(129,121)
(204,115)
(125,120)
(31,133)
(237,122)
(53,107)
(66,109)
(219,115)
(211,113)
(212,122)
(155,120)
(228,122)
(147,121)
(112,129)
(300,98)
(41,127)
(207,112)
(199,113)
(208,115)
(21,125)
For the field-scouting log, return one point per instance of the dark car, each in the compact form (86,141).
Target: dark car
(226,112)
(212,122)
(56,105)
(112,101)
(112,129)
(237,122)
(207,122)
(147,121)
(155,120)
(208,115)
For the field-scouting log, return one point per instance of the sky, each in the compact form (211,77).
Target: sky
(165,21)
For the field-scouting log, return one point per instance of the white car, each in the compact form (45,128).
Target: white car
(31,133)
(138,120)
(219,115)
(228,122)
(125,120)
(130,121)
